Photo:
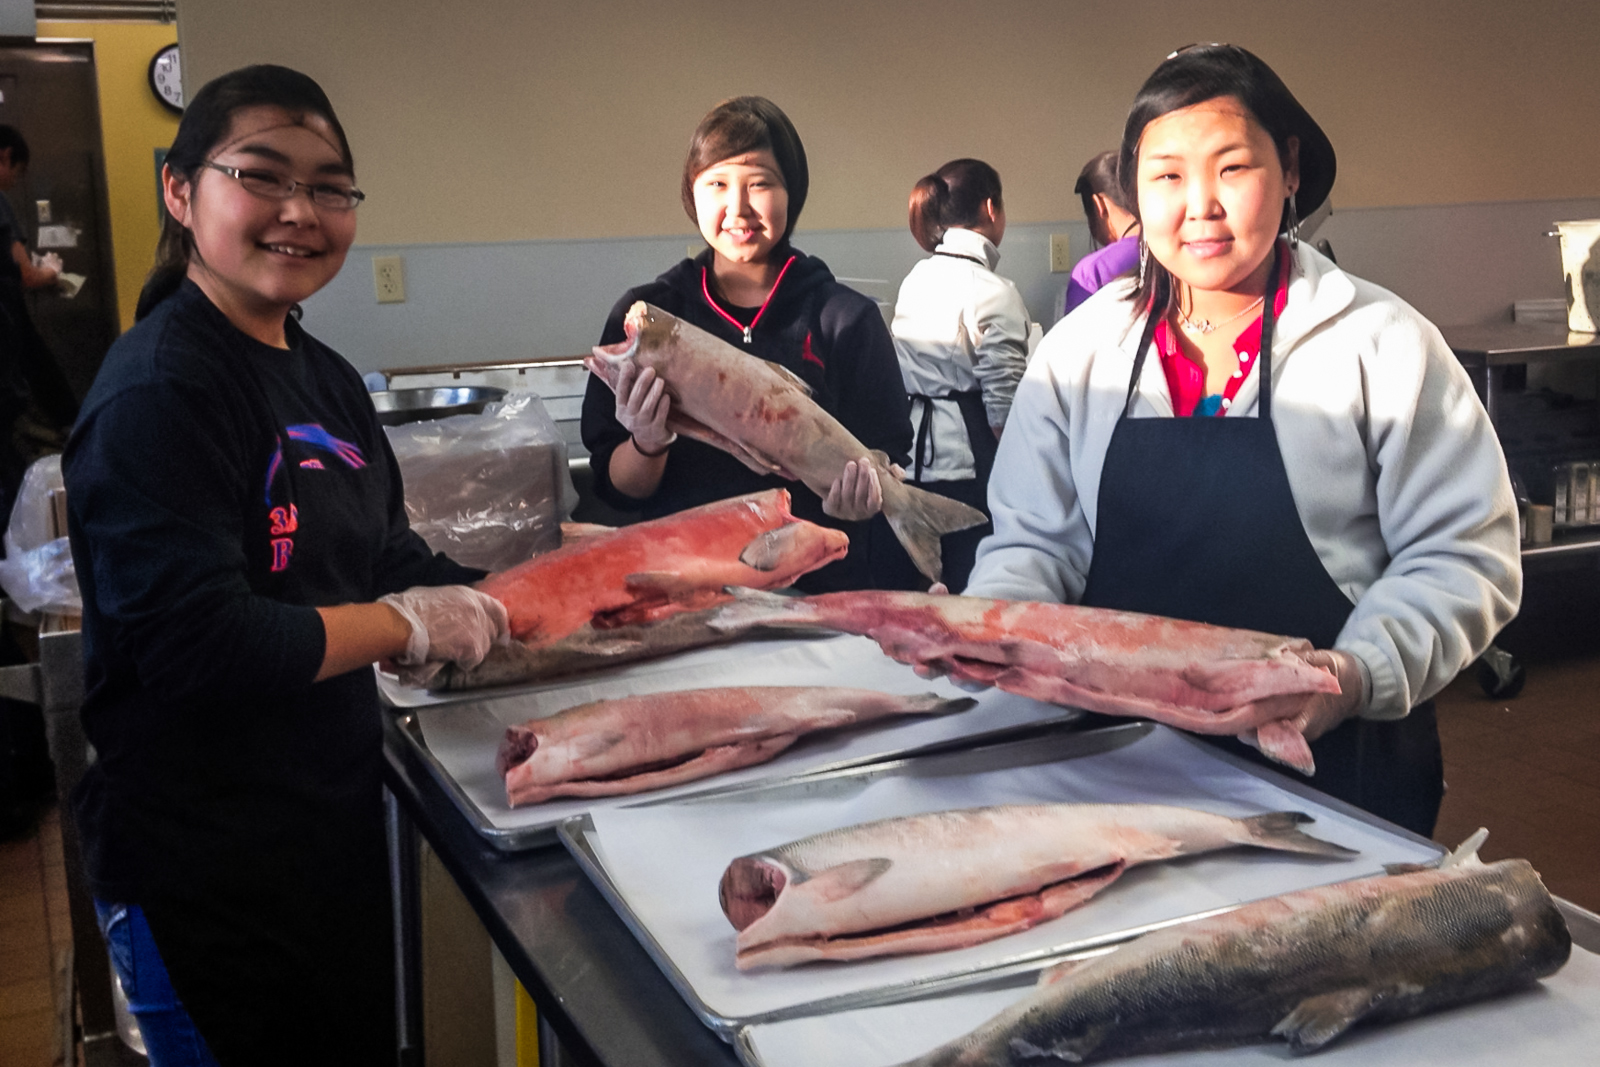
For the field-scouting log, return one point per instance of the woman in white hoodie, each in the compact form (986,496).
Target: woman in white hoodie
(1347,489)
(961,332)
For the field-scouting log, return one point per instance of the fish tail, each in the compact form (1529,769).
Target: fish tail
(919,518)
(1281,830)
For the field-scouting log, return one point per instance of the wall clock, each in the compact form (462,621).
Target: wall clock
(166,80)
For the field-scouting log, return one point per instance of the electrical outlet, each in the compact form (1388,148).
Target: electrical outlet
(389,279)
(1060,254)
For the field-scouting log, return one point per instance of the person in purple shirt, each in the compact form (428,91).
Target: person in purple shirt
(1112,225)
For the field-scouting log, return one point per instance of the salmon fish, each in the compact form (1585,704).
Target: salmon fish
(614,747)
(591,602)
(1187,675)
(1304,967)
(950,879)
(764,416)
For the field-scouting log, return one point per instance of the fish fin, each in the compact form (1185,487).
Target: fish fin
(1279,740)
(790,376)
(934,704)
(1281,830)
(920,518)
(766,552)
(1317,1020)
(836,883)
(753,607)
(1407,868)
(1466,853)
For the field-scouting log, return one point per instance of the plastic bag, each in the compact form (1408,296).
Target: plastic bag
(487,490)
(37,572)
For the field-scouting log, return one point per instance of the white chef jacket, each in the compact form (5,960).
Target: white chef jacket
(1397,475)
(959,326)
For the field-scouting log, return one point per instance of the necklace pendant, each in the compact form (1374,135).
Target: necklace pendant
(1204,326)
(747,334)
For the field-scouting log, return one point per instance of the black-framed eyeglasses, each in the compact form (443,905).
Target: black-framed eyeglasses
(270,185)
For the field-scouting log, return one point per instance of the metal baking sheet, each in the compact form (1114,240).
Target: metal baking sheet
(659,863)
(458,741)
(1557,1022)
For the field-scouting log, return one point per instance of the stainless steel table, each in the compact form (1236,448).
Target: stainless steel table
(592,982)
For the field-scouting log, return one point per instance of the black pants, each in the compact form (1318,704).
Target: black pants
(960,549)
(286,973)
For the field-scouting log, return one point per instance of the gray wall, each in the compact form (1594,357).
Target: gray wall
(469,303)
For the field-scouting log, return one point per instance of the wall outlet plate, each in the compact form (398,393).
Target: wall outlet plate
(1060,254)
(389,279)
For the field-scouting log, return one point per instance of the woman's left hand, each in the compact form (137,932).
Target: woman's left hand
(855,495)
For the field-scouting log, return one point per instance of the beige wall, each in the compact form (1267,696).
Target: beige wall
(494,120)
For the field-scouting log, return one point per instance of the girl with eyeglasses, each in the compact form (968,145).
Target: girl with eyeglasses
(1244,434)
(236,515)
(744,183)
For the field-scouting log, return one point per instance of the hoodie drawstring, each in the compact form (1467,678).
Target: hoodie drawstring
(705,287)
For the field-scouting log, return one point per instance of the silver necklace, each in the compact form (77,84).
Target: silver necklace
(1207,326)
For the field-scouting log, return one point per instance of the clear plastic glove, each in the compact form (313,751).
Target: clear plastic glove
(449,623)
(856,494)
(642,408)
(1288,724)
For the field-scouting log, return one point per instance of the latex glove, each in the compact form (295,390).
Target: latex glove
(642,408)
(449,623)
(1289,723)
(856,494)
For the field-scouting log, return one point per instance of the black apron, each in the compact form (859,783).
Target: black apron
(1211,494)
(959,550)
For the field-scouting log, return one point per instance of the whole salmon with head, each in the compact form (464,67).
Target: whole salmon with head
(1304,967)
(764,416)
(567,607)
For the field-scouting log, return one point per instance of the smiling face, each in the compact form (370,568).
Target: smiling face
(255,257)
(742,207)
(1211,188)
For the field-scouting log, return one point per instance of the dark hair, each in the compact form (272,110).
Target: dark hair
(1199,73)
(748,124)
(1099,175)
(11,137)
(207,120)
(953,195)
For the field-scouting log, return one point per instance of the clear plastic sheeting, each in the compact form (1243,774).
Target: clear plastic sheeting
(488,490)
(37,573)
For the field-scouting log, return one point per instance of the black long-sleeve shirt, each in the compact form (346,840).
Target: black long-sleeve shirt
(219,491)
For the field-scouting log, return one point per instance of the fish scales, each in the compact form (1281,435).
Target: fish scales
(954,878)
(764,416)
(1185,674)
(1303,967)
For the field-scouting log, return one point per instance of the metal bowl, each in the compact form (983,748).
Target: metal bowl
(397,406)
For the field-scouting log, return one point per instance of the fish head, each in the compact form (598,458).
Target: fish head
(647,330)
(794,549)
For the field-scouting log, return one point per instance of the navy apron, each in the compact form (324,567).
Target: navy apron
(959,549)
(1197,521)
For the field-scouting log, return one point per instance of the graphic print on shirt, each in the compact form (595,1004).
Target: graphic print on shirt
(808,356)
(284,521)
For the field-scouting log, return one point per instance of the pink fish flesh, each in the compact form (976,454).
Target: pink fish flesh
(764,416)
(615,747)
(1184,674)
(950,879)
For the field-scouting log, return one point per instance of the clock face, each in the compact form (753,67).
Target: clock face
(166,80)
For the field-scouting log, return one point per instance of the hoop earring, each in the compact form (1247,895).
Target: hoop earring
(1144,261)
(1293,232)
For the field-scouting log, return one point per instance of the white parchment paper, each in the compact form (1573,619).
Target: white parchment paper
(667,862)
(465,736)
(1556,1023)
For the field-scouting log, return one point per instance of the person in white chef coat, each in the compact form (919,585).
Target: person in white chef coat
(961,335)
(1244,434)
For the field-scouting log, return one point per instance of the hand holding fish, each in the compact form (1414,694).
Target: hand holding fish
(642,407)
(856,495)
(1291,721)
(449,623)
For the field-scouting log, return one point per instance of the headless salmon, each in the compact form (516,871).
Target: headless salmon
(630,745)
(950,879)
